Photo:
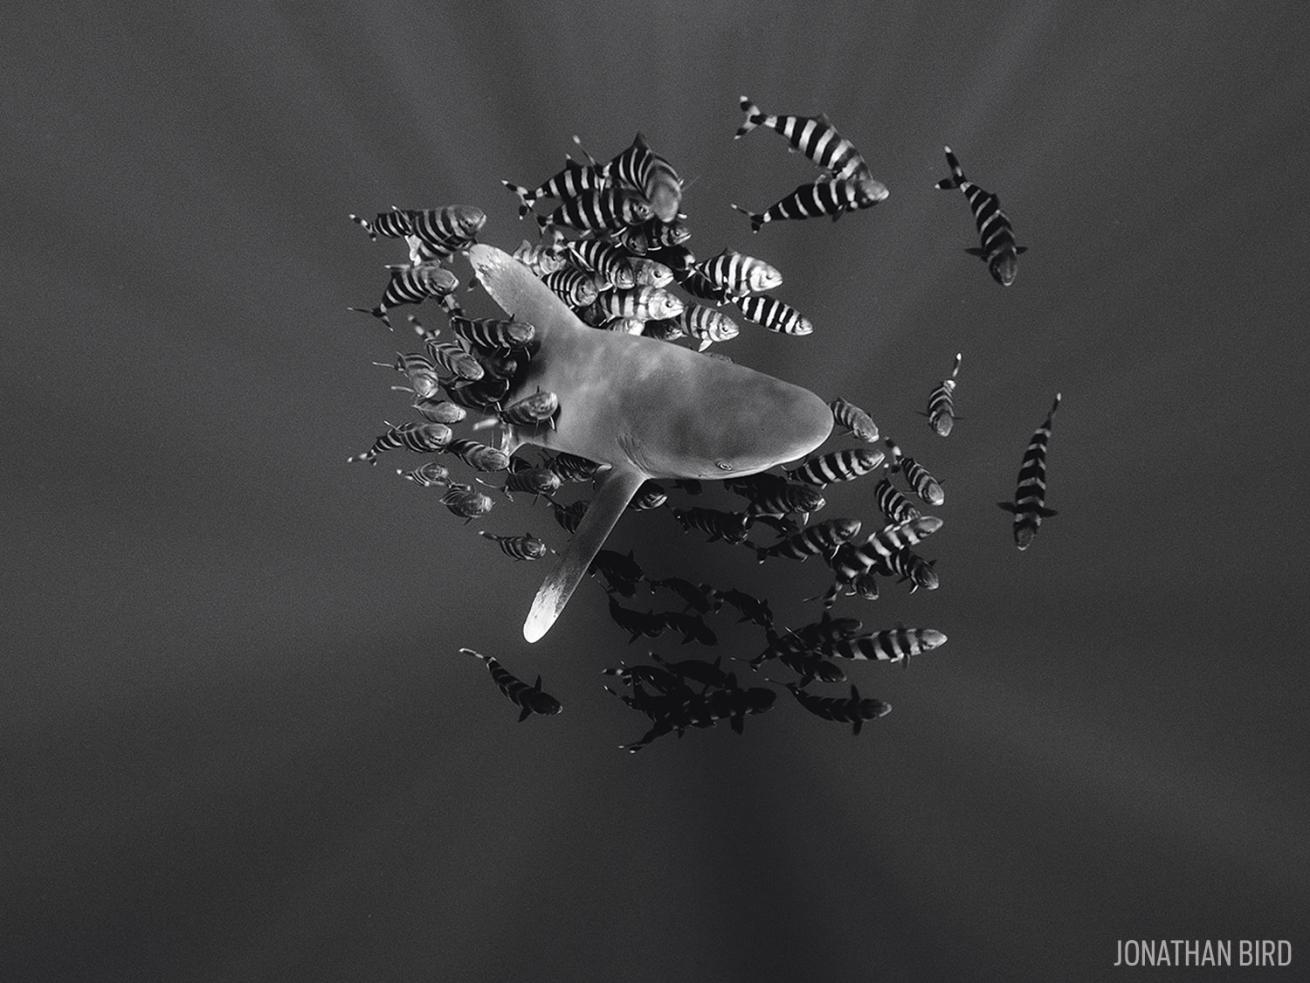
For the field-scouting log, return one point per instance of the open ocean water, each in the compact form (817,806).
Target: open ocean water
(237,741)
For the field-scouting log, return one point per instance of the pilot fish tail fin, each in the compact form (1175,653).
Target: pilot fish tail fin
(754,117)
(612,498)
(757,218)
(957,177)
(525,196)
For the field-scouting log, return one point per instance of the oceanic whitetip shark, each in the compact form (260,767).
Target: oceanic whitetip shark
(646,408)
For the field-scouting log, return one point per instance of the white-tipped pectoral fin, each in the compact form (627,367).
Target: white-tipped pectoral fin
(612,497)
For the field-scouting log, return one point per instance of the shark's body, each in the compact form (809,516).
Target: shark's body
(647,408)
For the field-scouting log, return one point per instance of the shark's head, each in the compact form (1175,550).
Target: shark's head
(747,422)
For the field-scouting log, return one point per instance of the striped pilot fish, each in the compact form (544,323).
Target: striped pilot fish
(422,438)
(890,645)
(817,139)
(642,303)
(998,248)
(412,284)
(769,312)
(490,332)
(737,274)
(928,488)
(452,362)
(834,198)
(529,699)
(466,502)
(529,480)
(539,259)
(439,410)
(707,325)
(427,475)
(881,546)
(840,465)
(641,169)
(941,403)
(525,547)
(820,539)
(532,410)
(571,182)
(432,233)
(602,210)
(604,259)
(895,506)
(1029,505)
(478,456)
(853,710)
(857,422)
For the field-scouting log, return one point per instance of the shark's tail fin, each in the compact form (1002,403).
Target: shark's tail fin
(957,177)
(754,117)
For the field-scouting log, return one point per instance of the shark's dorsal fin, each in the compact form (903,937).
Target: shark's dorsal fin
(612,496)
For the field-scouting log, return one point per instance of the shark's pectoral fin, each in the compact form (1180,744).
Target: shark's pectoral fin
(612,497)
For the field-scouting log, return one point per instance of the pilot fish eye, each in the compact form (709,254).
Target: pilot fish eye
(722,466)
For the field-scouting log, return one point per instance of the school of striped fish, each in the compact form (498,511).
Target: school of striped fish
(613,247)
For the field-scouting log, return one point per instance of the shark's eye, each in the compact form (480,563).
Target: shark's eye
(723,466)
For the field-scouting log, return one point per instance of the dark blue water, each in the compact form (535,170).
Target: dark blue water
(238,741)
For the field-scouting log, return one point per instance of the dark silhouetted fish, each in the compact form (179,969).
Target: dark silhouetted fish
(1029,505)
(529,699)
(852,710)
(752,608)
(622,573)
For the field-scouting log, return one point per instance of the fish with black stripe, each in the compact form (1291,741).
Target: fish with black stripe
(889,645)
(571,182)
(821,539)
(605,260)
(422,374)
(816,200)
(394,224)
(881,546)
(738,275)
(412,284)
(771,494)
(607,210)
(1029,505)
(436,233)
(641,169)
(895,506)
(651,495)
(478,456)
(568,516)
(910,567)
(941,403)
(641,303)
(523,477)
(440,410)
(422,438)
(817,139)
(573,287)
(707,325)
(769,312)
(730,527)
(540,259)
(532,410)
(466,502)
(857,422)
(529,699)
(525,547)
(928,488)
(491,332)
(452,362)
(840,465)
(427,475)
(573,467)
(998,248)
(853,710)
